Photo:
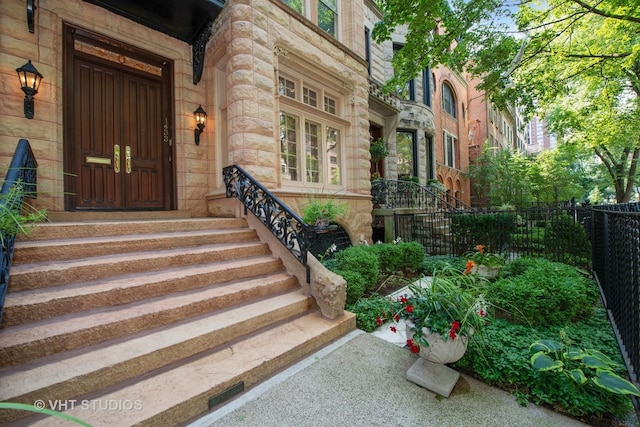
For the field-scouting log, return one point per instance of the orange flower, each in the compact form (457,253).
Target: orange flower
(480,249)
(469,267)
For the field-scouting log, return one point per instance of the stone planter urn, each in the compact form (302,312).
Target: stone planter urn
(430,370)
(485,271)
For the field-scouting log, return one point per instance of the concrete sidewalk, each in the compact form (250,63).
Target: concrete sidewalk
(360,381)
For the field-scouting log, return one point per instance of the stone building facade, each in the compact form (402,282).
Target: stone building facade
(285,91)
(427,140)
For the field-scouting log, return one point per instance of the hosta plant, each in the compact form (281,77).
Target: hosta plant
(580,365)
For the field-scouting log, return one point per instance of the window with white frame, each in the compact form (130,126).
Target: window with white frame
(309,150)
(311,131)
(449,149)
(325,16)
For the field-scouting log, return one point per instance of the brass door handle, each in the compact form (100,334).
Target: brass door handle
(116,158)
(127,159)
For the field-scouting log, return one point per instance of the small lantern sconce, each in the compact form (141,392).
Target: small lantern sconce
(30,80)
(201,118)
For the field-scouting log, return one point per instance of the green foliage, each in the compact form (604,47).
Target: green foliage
(503,357)
(368,311)
(400,256)
(579,365)
(12,219)
(451,305)
(325,209)
(437,262)
(493,231)
(361,260)
(567,240)
(378,150)
(356,285)
(543,293)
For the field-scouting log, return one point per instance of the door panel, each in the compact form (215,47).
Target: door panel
(96,134)
(143,151)
(118,135)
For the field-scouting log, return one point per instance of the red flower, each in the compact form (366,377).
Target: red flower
(379,321)
(413,347)
(482,313)
(396,317)
(403,299)
(409,309)
(393,329)
(455,327)
(469,267)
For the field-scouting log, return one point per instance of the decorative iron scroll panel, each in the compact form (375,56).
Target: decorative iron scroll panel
(283,223)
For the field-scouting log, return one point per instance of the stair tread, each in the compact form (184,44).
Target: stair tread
(17,382)
(160,394)
(128,257)
(109,239)
(133,280)
(63,325)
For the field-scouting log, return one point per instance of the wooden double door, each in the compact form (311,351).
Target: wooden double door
(118,141)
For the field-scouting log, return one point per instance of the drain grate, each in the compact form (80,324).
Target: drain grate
(226,395)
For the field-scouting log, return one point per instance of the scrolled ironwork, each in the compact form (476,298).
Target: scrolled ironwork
(284,224)
(22,171)
(390,194)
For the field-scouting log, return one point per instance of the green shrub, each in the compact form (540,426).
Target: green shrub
(493,231)
(543,293)
(361,260)
(356,285)
(437,262)
(566,240)
(400,256)
(367,310)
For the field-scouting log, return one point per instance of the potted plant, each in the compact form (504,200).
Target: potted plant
(440,317)
(378,150)
(322,213)
(484,263)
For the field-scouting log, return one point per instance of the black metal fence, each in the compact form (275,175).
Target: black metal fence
(616,266)
(558,233)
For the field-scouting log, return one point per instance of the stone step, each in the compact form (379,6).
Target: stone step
(82,247)
(39,304)
(46,274)
(96,367)
(96,228)
(31,341)
(176,395)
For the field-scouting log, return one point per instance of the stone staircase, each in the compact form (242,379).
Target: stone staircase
(149,322)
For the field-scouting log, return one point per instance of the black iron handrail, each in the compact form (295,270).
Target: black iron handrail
(286,225)
(391,194)
(23,172)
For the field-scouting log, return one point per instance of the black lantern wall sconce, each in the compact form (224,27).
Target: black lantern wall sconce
(30,79)
(201,118)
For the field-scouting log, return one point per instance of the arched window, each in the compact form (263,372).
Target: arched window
(448,100)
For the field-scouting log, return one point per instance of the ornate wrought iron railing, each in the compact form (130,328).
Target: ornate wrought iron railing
(22,171)
(283,223)
(391,194)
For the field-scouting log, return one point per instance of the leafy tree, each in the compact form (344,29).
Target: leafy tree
(500,177)
(565,49)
